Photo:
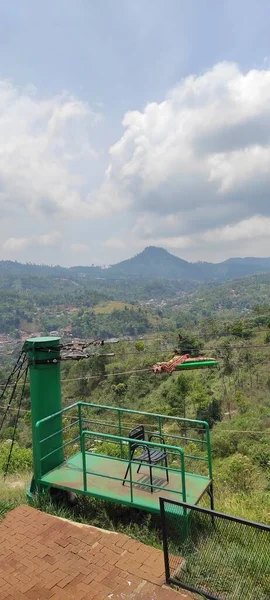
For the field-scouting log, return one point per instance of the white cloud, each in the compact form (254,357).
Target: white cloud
(244,231)
(115,243)
(48,239)
(199,160)
(14,245)
(79,248)
(248,229)
(177,243)
(45,153)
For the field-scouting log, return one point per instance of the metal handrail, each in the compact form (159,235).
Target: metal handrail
(160,418)
(139,443)
(124,410)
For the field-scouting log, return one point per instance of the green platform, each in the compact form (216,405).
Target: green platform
(69,476)
(86,447)
(95,461)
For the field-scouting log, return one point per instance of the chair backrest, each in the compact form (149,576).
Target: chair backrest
(136,434)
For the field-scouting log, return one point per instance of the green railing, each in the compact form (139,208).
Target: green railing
(116,428)
(132,461)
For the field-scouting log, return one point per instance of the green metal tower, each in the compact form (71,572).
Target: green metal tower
(45,388)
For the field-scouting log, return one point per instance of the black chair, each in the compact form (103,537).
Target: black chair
(150,455)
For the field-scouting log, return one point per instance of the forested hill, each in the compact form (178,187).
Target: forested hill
(153,263)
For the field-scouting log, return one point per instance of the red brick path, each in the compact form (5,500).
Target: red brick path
(44,557)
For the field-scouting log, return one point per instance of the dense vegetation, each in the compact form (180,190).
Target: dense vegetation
(234,400)
(43,303)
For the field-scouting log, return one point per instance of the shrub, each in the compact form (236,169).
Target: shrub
(224,443)
(111,449)
(140,346)
(21,458)
(239,473)
(119,389)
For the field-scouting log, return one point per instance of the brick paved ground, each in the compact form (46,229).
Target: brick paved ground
(44,557)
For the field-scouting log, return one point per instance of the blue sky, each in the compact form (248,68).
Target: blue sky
(124,124)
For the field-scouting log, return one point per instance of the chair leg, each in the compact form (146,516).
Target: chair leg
(128,467)
(151,477)
(126,474)
(166,467)
(138,470)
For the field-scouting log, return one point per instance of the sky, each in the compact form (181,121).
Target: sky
(130,123)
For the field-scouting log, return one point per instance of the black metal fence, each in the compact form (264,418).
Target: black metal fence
(215,555)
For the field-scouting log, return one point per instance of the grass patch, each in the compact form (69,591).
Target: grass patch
(13,492)
(108,307)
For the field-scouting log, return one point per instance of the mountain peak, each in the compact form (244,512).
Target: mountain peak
(153,262)
(153,249)
(158,251)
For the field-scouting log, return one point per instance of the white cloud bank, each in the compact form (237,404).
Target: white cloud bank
(193,171)
(45,153)
(17,244)
(196,167)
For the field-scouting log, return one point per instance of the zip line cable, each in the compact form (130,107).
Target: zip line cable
(16,424)
(149,370)
(163,351)
(98,375)
(19,375)
(83,345)
(171,343)
(19,364)
(7,384)
(68,418)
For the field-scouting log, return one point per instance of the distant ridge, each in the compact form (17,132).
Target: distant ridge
(151,263)
(158,263)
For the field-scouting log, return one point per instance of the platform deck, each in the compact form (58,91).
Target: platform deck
(69,476)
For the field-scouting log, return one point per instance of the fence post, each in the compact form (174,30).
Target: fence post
(211,496)
(159,425)
(120,430)
(182,462)
(209,455)
(164,540)
(130,473)
(80,423)
(84,462)
(39,469)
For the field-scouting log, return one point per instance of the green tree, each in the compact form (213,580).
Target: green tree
(176,396)
(189,344)
(241,401)
(140,346)
(210,413)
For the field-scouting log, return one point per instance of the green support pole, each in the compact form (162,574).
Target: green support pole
(45,391)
